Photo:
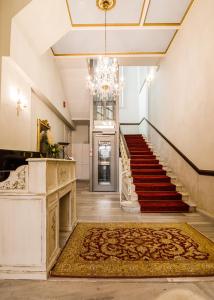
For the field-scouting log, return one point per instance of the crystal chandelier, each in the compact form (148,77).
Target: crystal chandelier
(104,83)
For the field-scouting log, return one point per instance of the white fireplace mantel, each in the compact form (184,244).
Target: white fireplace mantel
(37,202)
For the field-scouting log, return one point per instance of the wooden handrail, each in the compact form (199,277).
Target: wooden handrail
(125,144)
(199,171)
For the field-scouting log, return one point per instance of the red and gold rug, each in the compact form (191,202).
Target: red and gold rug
(135,250)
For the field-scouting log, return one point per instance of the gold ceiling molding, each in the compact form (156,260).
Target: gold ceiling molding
(109,53)
(106,4)
(170,43)
(102,24)
(167,24)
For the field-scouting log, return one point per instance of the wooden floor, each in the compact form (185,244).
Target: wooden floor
(104,207)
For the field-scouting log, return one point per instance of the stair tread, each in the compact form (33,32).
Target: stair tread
(147,167)
(154,184)
(151,177)
(163,202)
(161,193)
(148,170)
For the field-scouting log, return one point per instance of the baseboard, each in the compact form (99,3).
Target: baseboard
(21,274)
(205,213)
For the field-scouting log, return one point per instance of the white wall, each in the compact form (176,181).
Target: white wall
(41,69)
(80,151)
(181,103)
(20,131)
(39,110)
(135,99)
(143,92)
(81,134)
(14,130)
(27,68)
(128,113)
(7,10)
(77,94)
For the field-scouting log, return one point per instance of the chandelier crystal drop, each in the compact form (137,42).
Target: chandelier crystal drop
(104,83)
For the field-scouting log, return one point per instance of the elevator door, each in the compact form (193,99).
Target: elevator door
(104,165)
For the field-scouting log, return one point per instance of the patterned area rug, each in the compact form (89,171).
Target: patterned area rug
(135,250)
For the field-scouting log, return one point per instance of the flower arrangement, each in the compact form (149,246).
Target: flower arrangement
(53,150)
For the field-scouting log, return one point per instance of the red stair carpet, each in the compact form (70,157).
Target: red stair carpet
(155,191)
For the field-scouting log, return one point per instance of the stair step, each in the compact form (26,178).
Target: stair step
(146,166)
(136,170)
(136,142)
(165,186)
(146,152)
(156,196)
(131,149)
(146,156)
(151,179)
(133,135)
(163,206)
(146,161)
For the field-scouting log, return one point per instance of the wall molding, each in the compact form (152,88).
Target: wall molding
(199,171)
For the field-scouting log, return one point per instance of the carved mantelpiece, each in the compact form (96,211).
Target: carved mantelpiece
(37,201)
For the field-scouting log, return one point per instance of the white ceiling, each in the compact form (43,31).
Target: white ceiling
(91,41)
(86,12)
(136,27)
(168,12)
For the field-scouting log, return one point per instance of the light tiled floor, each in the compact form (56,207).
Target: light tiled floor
(104,207)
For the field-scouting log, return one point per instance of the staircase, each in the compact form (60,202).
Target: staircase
(156,192)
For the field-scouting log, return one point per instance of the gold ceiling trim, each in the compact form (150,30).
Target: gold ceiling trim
(168,24)
(103,24)
(109,53)
(106,4)
(170,43)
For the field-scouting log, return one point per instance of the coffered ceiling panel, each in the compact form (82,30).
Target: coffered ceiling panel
(135,27)
(166,11)
(85,12)
(118,41)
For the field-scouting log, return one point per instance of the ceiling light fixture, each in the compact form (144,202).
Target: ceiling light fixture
(104,82)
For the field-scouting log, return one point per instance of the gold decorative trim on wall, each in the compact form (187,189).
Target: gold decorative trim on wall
(168,24)
(102,24)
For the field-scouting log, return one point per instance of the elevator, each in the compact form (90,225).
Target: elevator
(104,162)
(104,149)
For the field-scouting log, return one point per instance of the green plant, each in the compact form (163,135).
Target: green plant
(53,150)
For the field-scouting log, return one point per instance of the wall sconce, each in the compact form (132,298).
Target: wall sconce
(20,104)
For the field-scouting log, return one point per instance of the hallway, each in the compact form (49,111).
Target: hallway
(114,97)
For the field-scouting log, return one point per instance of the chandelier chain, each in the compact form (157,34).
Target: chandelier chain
(105,32)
